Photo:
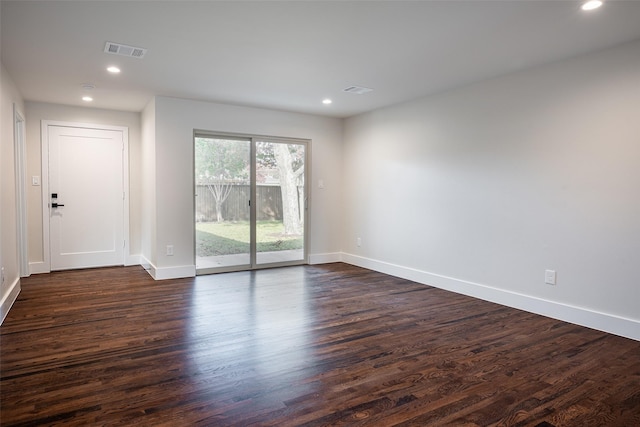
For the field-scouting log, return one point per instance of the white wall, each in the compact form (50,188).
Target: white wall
(37,112)
(481,189)
(175,121)
(10,287)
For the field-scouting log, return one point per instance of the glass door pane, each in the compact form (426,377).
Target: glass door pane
(223,190)
(280,202)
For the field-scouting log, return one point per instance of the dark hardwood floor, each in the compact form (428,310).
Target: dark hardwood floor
(303,346)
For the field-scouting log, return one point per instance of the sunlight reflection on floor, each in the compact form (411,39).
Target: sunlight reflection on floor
(254,328)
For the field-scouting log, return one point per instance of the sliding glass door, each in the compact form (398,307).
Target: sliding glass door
(280,201)
(251,202)
(223,186)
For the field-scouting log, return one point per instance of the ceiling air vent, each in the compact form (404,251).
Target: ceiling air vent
(358,90)
(124,50)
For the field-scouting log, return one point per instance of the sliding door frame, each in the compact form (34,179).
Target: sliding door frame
(254,139)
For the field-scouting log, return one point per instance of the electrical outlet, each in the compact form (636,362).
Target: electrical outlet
(359,241)
(169,250)
(550,277)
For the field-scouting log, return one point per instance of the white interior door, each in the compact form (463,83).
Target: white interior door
(86,197)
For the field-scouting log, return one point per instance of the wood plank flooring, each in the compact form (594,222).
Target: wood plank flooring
(327,345)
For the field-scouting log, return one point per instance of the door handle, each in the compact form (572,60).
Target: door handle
(56,205)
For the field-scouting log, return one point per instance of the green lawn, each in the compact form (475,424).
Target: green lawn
(229,238)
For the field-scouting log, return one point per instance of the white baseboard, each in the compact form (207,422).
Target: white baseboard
(38,267)
(167,272)
(9,299)
(148,265)
(605,322)
(325,258)
(133,260)
(175,272)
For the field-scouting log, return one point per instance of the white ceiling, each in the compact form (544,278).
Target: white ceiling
(290,55)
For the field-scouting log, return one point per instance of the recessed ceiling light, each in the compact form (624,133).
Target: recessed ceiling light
(113,69)
(87,98)
(88,86)
(327,101)
(591,4)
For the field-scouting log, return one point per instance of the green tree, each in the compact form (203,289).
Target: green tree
(221,157)
(288,159)
(220,164)
(290,178)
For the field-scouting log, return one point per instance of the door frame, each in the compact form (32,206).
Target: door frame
(253,214)
(45,124)
(20,157)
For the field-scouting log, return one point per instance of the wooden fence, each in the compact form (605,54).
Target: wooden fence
(236,207)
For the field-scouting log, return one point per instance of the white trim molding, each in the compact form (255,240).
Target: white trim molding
(132,260)
(20,154)
(628,328)
(178,272)
(9,299)
(38,267)
(165,273)
(325,258)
